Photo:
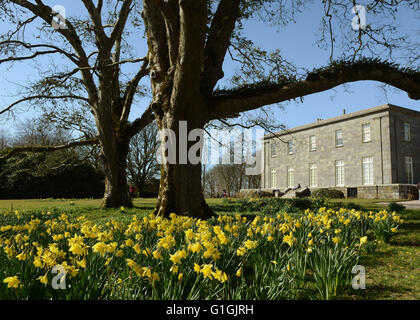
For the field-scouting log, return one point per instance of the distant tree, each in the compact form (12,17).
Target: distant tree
(44,175)
(90,51)
(62,174)
(4,143)
(142,164)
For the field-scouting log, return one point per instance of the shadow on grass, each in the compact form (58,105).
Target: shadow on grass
(410,226)
(376,292)
(152,207)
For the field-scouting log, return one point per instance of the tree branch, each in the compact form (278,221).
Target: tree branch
(43,97)
(38,149)
(70,34)
(71,56)
(229,103)
(94,14)
(34,55)
(218,42)
(140,123)
(121,21)
(131,89)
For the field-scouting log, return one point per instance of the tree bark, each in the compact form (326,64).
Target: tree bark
(180,192)
(114,155)
(180,189)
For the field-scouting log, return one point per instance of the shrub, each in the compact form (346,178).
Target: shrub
(328,193)
(393,206)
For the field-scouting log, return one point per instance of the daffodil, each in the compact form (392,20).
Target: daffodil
(363,240)
(239,272)
(12,282)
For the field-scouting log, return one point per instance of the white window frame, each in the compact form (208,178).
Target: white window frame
(290,147)
(273,150)
(339,173)
(273,178)
(290,177)
(407,131)
(409,173)
(312,143)
(366,133)
(337,144)
(367,171)
(313,175)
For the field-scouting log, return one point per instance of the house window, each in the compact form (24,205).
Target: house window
(407,133)
(312,143)
(273,178)
(273,149)
(367,164)
(409,169)
(366,132)
(339,138)
(339,173)
(290,147)
(313,178)
(290,177)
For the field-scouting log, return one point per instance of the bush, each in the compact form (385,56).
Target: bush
(348,205)
(393,206)
(328,193)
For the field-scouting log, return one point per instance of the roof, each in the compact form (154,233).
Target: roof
(345,117)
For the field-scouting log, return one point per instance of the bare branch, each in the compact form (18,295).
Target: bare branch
(131,90)
(56,49)
(140,123)
(43,97)
(121,21)
(218,42)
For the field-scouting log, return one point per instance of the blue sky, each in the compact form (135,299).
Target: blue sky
(297,44)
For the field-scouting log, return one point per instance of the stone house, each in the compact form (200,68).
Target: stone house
(372,153)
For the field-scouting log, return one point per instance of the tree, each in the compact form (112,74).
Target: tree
(142,165)
(188,42)
(4,143)
(91,51)
(61,174)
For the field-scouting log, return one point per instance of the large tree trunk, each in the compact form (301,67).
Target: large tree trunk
(114,155)
(180,192)
(180,189)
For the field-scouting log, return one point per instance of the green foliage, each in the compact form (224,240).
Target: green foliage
(394,206)
(345,66)
(51,175)
(269,206)
(328,193)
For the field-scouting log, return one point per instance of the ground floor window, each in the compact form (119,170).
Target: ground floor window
(273,178)
(367,168)
(290,177)
(409,169)
(339,173)
(313,175)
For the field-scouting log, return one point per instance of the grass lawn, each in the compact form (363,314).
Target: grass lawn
(392,270)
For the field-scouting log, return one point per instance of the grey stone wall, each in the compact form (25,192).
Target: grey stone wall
(401,148)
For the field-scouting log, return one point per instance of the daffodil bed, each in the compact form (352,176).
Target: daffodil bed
(232,257)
